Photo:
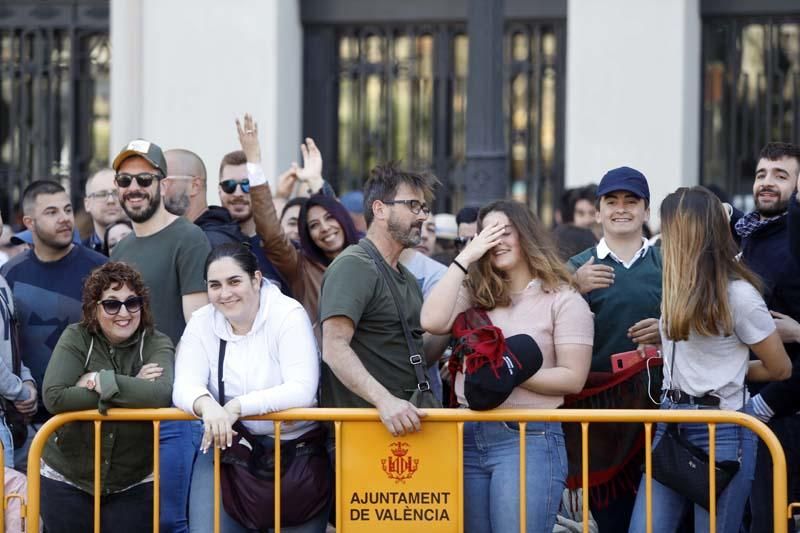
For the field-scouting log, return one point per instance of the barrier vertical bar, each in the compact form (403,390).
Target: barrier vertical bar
(585,474)
(712,476)
(460,427)
(523,493)
(277,425)
(216,488)
(97,426)
(156,474)
(648,476)
(337,452)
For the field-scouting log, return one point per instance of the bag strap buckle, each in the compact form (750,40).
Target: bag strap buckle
(415,359)
(424,386)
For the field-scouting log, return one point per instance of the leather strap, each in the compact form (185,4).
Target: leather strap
(417,360)
(238,426)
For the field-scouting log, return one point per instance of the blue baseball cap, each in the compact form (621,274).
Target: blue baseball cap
(25,237)
(624,179)
(353,201)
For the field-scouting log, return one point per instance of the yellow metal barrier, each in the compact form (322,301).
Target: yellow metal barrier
(456,416)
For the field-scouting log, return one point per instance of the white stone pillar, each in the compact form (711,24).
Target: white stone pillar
(183,70)
(633,92)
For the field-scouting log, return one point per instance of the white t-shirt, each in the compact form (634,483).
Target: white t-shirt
(718,365)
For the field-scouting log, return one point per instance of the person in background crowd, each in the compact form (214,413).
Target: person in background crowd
(510,270)
(712,314)
(17,389)
(115,232)
(289,218)
(113,358)
(271,364)
(446,235)
(102,204)
(169,252)
(324,226)
(427,240)
(46,284)
(620,278)
(9,249)
(765,244)
(353,201)
(184,194)
(578,219)
(365,351)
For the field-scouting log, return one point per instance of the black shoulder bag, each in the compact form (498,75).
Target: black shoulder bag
(16,421)
(247,474)
(683,467)
(422,396)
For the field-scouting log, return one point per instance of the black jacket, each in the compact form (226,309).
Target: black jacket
(770,254)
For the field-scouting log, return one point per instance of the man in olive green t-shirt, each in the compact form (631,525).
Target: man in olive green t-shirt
(363,346)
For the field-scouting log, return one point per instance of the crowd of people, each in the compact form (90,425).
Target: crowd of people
(300,297)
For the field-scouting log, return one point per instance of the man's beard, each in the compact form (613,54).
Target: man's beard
(405,235)
(149,211)
(52,242)
(778,208)
(178,205)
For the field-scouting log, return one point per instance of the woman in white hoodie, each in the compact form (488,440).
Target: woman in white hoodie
(271,363)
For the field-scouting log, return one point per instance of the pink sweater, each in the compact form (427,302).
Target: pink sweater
(551,318)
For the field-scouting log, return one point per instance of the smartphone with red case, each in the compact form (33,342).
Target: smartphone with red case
(623,361)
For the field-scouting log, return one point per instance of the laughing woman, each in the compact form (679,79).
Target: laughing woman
(112,358)
(511,272)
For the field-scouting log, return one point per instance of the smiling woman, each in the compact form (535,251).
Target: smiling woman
(112,358)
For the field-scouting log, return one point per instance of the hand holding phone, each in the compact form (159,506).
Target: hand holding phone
(624,360)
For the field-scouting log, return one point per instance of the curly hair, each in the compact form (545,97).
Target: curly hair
(113,275)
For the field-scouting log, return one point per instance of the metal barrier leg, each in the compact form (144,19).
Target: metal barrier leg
(648,476)
(460,429)
(277,426)
(216,489)
(97,489)
(585,474)
(712,477)
(523,485)
(156,474)
(337,426)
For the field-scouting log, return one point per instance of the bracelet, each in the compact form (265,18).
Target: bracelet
(459,265)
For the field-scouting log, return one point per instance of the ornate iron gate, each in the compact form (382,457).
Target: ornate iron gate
(54,94)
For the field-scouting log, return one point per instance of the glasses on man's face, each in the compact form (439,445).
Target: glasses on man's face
(132,304)
(104,195)
(415,206)
(145,179)
(462,241)
(229,186)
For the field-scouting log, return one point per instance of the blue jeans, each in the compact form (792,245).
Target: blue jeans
(201,505)
(733,443)
(177,453)
(491,476)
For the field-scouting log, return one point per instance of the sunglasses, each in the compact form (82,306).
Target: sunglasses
(113,307)
(229,186)
(145,179)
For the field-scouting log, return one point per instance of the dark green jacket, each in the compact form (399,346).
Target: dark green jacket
(126,447)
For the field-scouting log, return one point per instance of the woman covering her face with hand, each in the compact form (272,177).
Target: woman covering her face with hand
(510,272)
(270,364)
(112,358)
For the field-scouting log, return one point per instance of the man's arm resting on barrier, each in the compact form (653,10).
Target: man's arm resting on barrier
(399,416)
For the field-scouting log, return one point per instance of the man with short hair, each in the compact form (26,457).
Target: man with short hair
(47,283)
(575,233)
(364,348)
(102,204)
(427,239)
(764,237)
(170,253)
(620,278)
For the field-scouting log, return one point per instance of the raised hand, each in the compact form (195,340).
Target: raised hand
(286,182)
(488,238)
(248,138)
(311,171)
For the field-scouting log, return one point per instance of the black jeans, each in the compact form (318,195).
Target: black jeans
(787,429)
(66,509)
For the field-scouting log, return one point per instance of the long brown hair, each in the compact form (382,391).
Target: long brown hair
(113,275)
(699,262)
(489,286)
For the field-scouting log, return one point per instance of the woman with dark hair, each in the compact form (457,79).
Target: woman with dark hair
(270,364)
(712,317)
(510,277)
(112,358)
(115,232)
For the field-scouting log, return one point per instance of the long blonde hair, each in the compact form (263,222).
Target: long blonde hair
(699,262)
(489,286)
